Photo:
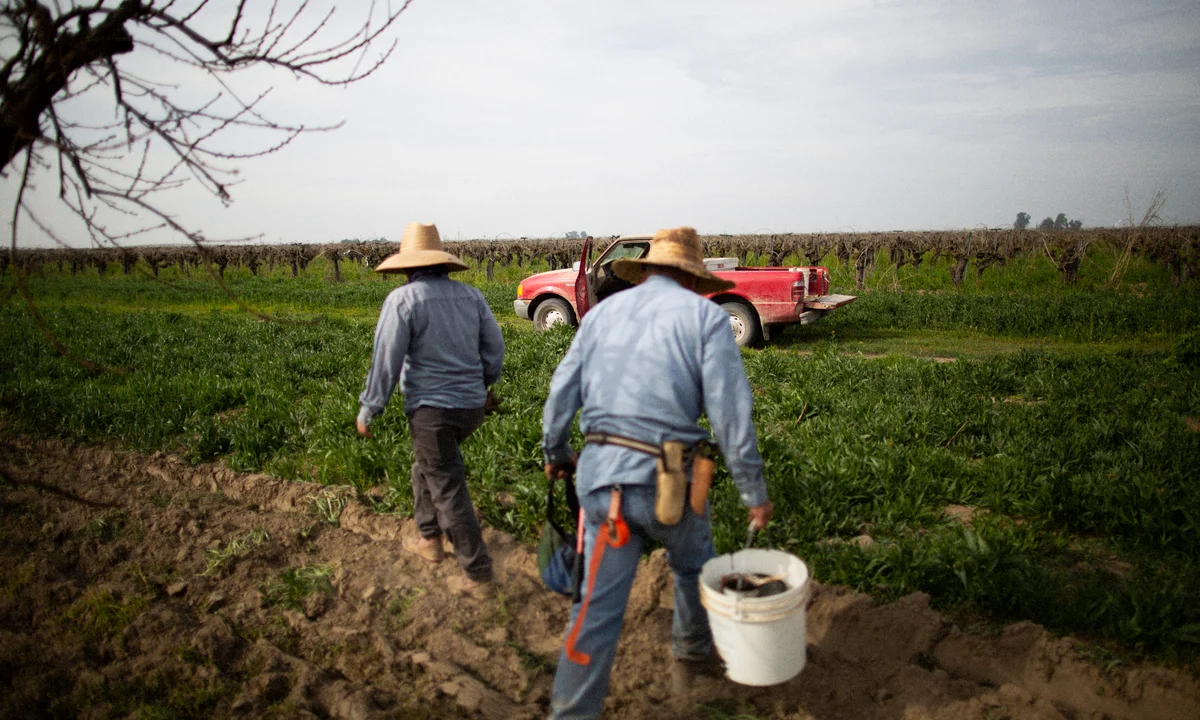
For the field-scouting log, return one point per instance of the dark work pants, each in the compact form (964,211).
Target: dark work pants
(441,504)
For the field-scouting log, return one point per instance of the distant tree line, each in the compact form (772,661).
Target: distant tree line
(1062,222)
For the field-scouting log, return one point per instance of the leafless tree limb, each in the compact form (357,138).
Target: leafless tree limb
(57,54)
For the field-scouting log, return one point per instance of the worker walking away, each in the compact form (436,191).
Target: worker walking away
(439,340)
(644,365)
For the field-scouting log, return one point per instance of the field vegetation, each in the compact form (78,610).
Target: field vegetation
(1017,448)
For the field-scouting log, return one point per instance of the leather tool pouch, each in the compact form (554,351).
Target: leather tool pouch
(703,468)
(672,486)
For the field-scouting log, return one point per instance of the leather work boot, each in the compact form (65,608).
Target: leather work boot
(684,673)
(429,549)
(478,589)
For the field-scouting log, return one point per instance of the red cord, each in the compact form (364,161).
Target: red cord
(602,540)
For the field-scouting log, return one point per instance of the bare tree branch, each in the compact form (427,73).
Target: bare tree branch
(111,174)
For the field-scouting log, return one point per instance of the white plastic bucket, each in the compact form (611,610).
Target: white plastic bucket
(761,639)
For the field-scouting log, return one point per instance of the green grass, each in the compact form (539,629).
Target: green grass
(1066,421)
(1073,316)
(295,584)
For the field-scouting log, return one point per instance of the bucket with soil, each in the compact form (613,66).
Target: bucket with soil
(756,601)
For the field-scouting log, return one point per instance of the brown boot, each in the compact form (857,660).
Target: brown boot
(478,589)
(685,673)
(429,549)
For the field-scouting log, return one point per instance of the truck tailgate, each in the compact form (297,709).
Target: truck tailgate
(829,302)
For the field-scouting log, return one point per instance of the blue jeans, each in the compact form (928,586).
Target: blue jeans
(579,690)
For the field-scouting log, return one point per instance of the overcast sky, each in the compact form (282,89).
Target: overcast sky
(539,117)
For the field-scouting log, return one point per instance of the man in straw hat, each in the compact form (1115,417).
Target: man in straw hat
(644,365)
(439,339)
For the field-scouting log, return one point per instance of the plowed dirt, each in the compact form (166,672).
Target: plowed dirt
(141,586)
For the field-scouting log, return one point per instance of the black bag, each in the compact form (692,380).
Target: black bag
(558,560)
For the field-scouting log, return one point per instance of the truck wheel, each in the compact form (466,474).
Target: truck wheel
(743,321)
(552,312)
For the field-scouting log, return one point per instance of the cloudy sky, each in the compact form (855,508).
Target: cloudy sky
(534,118)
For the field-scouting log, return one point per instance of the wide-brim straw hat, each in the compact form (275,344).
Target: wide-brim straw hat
(677,248)
(420,247)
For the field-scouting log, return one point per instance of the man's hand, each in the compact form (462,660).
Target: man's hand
(492,404)
(362,429)
(761,515)
(561,471)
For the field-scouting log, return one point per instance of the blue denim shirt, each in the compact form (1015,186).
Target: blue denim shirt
(438,337)
(645,364)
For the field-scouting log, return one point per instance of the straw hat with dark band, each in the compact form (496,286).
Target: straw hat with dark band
(420,247)
(676,248)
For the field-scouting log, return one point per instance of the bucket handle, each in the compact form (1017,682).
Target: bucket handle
(806,595)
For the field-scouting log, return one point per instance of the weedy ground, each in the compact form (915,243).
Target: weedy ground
(1017,449)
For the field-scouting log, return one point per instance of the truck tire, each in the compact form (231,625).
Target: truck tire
(551,312)
(744,323)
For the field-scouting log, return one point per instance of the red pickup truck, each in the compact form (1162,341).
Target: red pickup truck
(763,298)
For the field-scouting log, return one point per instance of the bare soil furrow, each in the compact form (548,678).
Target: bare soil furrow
(136,585)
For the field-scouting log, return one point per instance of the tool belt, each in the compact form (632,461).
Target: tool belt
(672,488)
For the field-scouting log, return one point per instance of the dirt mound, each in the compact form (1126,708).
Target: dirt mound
(134,584)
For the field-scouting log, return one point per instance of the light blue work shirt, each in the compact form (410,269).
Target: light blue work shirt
(438,337)
(645,364)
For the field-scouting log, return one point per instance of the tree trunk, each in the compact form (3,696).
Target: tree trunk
(958,271)
(860,271)
(1070,272)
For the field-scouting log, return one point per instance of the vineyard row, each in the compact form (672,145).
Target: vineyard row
(1177,249)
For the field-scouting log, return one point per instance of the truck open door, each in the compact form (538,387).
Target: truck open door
(583,301)
(596,281)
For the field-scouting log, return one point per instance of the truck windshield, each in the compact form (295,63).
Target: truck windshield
(633,250)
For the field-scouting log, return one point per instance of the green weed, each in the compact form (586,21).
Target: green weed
(400,603)
(535,665)
(532,661)
(220,558)
(723,710)
(328,505)
(100,613)
(107,526)
(294,584)
(501,612)
(16,578)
